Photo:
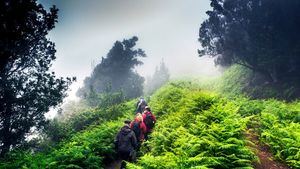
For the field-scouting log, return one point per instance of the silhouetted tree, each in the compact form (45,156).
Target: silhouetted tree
(159,78)
(115,72)
(27,89)
(262,35)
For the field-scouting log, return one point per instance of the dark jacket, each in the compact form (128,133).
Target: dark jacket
(125,140)
(140,106)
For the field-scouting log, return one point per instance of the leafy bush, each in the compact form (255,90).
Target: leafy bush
(198,129)
(195,129)
(249,107)
(239,81)
(280,129)
(58,130)
(89,147)
(277,124)
(277,121)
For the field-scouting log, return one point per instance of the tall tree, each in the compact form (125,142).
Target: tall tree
(27,88)
(262,35)
(116,72)
(159,78)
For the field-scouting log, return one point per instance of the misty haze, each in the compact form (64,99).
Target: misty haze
(150,84)
(87,31)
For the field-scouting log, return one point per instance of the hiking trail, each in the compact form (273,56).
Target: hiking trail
(266,159)
(116,164)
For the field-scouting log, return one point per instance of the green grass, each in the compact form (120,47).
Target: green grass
(196,129)
(200,125)
(88,148)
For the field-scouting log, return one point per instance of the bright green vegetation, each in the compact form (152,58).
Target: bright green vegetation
(280,129)
(239,81)
(200,129)
(278,126)
(196,128)
(88,148)
(277,122)
(85,150)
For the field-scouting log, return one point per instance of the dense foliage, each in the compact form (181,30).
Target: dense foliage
(262,35)
(237,81)
(58,129)
(277,122)
(115,73)
(27,88)
(196,129)
(278,125)
(280,129)
(90,146)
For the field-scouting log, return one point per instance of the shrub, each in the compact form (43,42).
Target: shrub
(198,130)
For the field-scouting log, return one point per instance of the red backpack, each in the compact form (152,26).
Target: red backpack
(149,121)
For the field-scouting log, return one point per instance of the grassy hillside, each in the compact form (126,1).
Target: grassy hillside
(196,128)
(199,129)
(88,148)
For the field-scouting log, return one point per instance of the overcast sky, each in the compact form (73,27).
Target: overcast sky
(167,29)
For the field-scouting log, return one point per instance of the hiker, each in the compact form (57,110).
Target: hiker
(139,128)
(140,105)
(126,144)
(149,120)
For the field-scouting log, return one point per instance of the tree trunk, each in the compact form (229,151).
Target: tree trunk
(266,74)
(269,77)
(262,71)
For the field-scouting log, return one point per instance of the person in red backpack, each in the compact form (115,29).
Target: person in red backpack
(149,120)
(139,127)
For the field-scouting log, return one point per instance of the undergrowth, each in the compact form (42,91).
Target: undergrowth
(197,129)
(90,148)
(280,129)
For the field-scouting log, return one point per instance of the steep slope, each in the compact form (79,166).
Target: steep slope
(200,129)
(195,129)
(90,148)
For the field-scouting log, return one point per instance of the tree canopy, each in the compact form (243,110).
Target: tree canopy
(116,73)
(27,88)
(262,35)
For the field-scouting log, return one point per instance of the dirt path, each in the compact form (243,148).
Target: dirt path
(266,160)
(114,165)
